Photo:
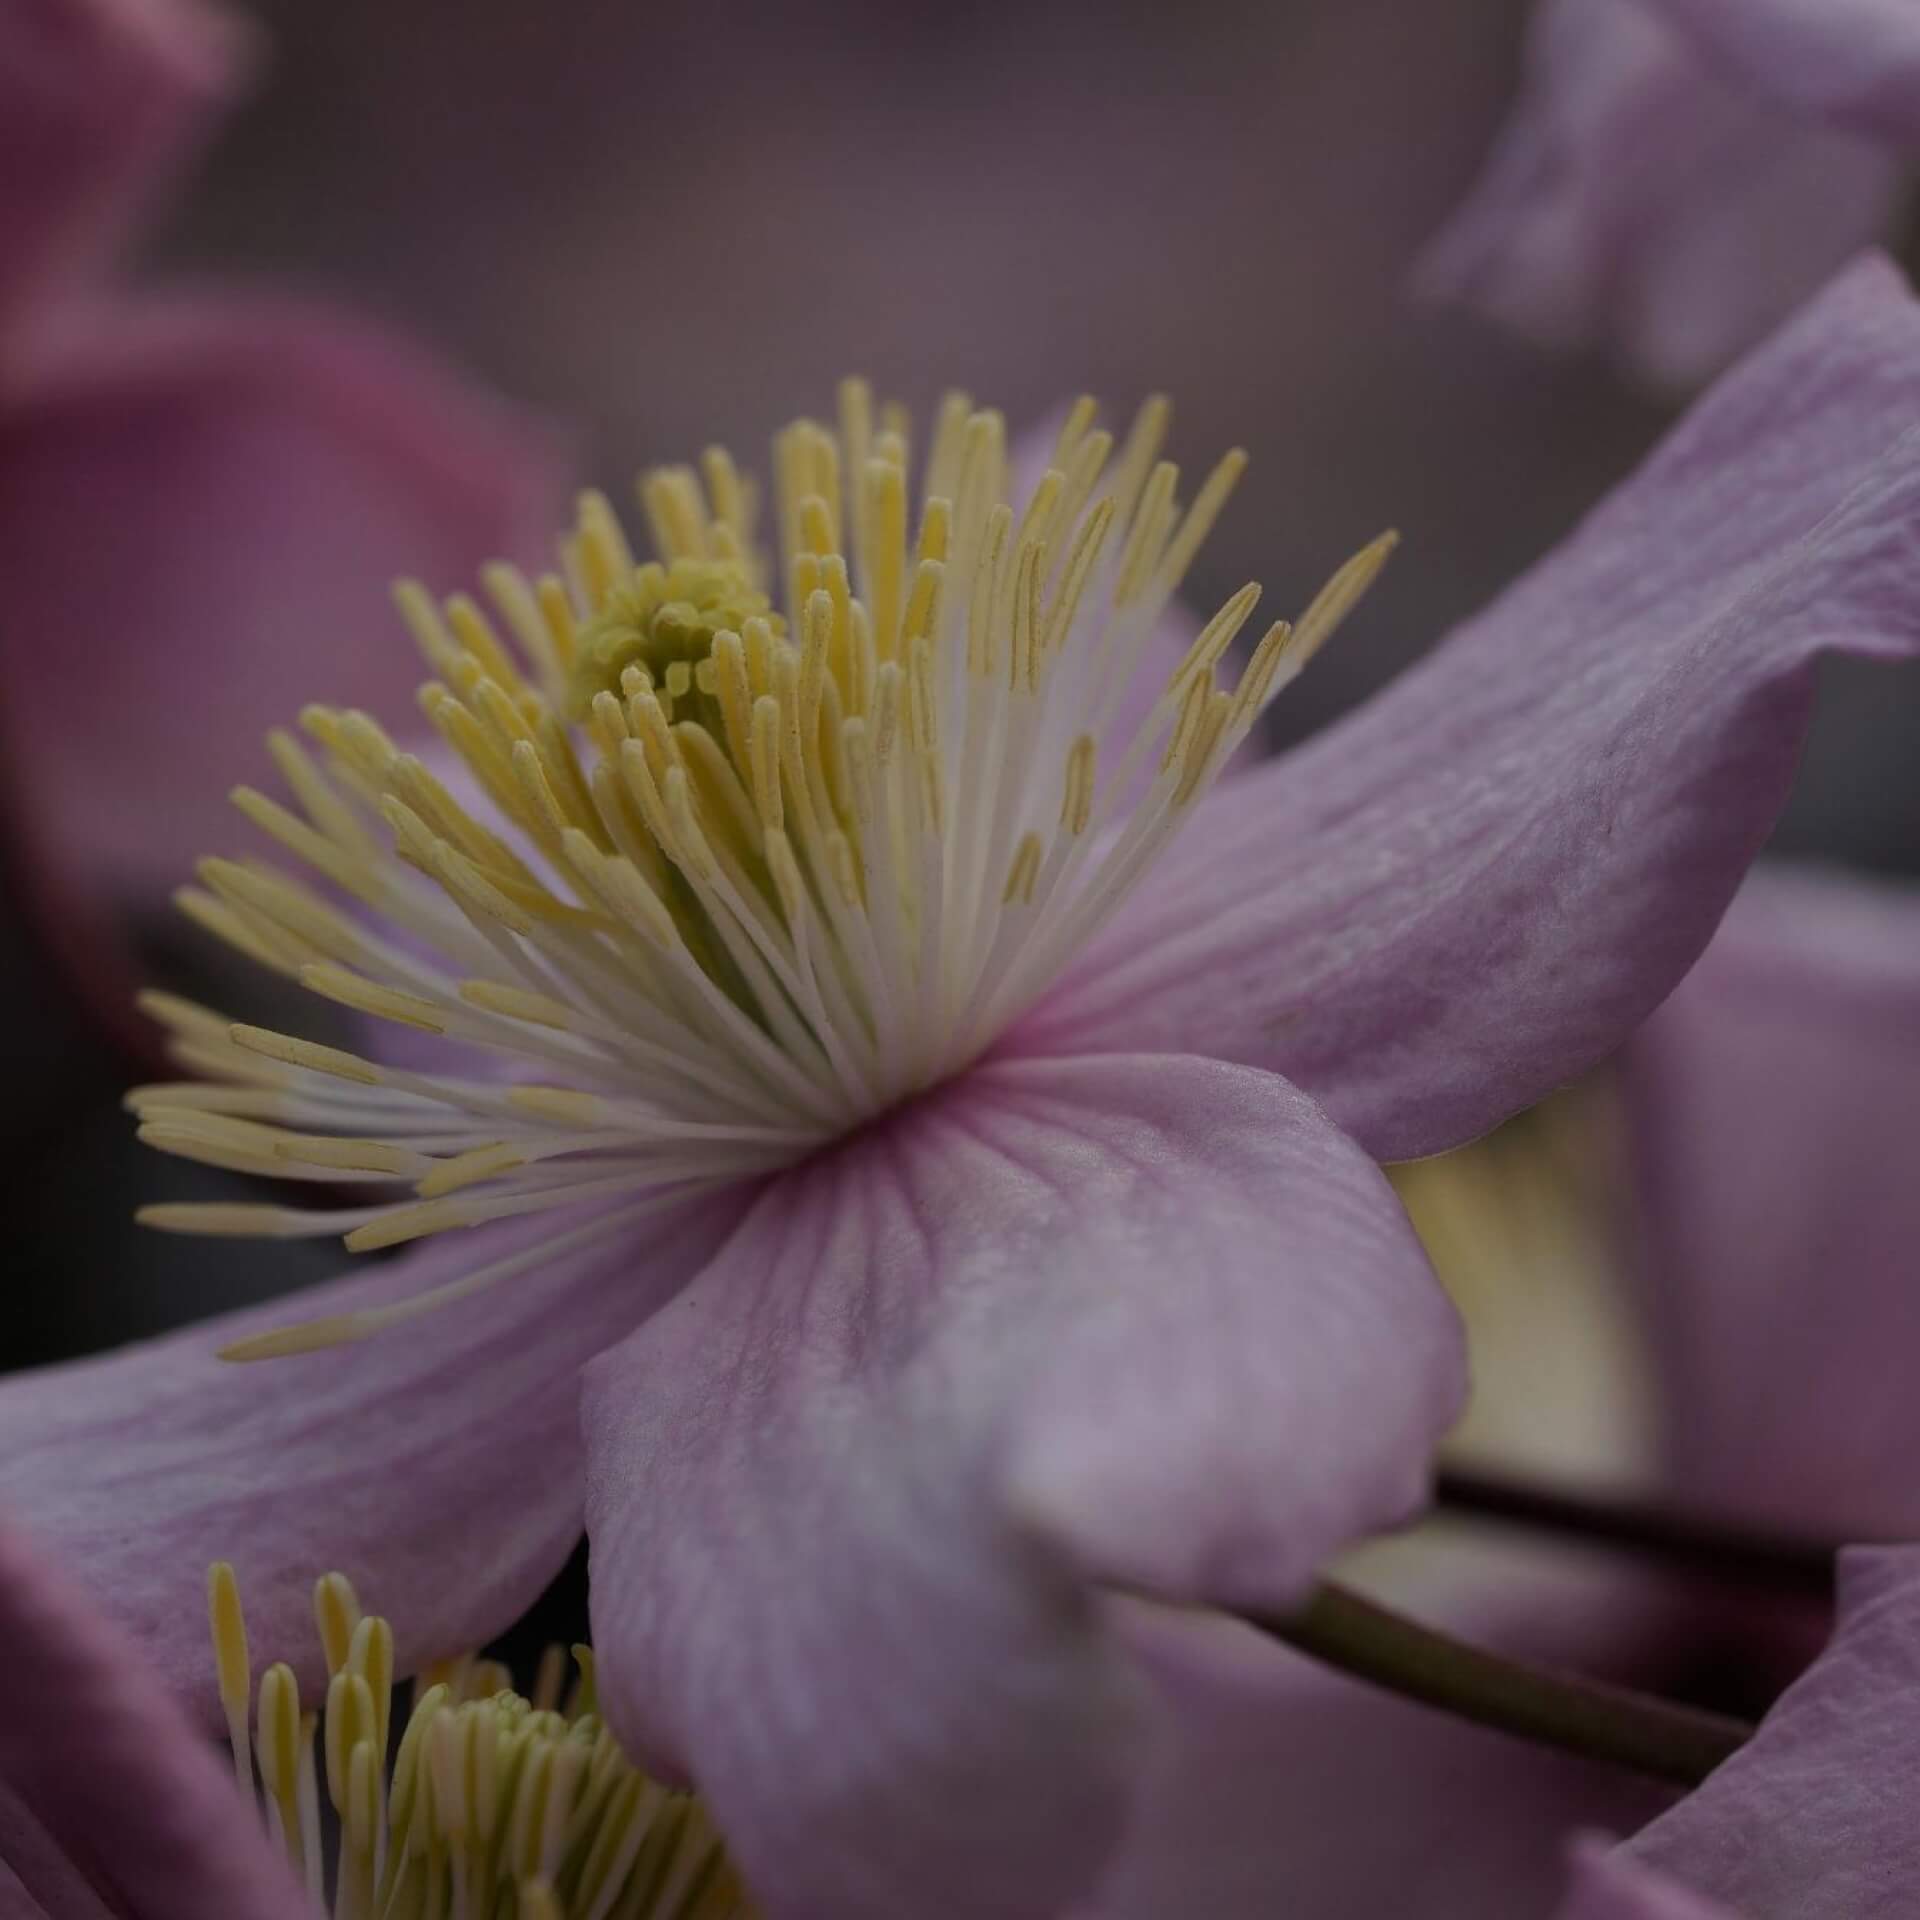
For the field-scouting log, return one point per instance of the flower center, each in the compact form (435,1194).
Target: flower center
(663,623)
(490,1803)
(716,882)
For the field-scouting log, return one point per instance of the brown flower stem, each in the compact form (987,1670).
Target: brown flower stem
(1638,1731)
(1750,1557)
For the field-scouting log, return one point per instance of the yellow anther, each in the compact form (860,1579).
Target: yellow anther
(370,1655)
(886,507)
(469,1169)
(365,996)
(233,1667)
(336,1612)
(605,558)
(1024,872)
(306,1054)
(1076,803)
(564,1106)
(1212,641)
(349,1721)
(279,1748)
(764,762)
(429,630)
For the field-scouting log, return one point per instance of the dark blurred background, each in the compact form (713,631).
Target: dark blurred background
(667,227)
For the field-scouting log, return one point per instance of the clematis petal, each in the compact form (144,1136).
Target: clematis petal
(1138,1322)
(1852,63)
(1479,884)
(38,1879)
(1775,1100)
(202,504)
(1813,1818)
(98,99)
(112,1768)
(1608,1886)
(436,1464)
(1276,1785)
(1653,194)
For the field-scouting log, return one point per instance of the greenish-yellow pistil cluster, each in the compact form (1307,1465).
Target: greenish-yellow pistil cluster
(663,620)
(728,850)
(489,1805)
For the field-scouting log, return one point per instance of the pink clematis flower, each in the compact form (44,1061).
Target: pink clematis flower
(1679,174)
(1770,1105)
(962,1202)
(203,492)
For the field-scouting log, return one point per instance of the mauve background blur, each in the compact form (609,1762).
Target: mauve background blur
(669,228)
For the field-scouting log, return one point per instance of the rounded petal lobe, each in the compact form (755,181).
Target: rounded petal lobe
(1647,197)
(1478,885)
(98,99)
(1067,1325)
(1851,63)
(436,1464)
(1813,1818)
(110,1767)
(1774,1106)
(203,504)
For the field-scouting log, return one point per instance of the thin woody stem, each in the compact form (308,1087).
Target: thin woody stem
(1695,1543)
(1599,1722)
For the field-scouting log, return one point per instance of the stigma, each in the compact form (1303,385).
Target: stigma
(487,1803)
(717,855)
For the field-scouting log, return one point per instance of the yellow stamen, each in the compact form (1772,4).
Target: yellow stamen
(493,1804)
(738,876)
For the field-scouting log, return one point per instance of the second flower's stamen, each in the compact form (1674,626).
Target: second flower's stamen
(489,1805)
(720,875)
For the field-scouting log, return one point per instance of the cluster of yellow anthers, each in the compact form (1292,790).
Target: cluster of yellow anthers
(721,878)
(492,1806)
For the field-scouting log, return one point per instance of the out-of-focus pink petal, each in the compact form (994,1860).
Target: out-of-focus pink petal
(1276,1786)
(1480,883)
(1609,1886)
(1814,1818)
(94,1745)
(1646,197)
(38,1879)
(1149,1323)
(436,1464)
(1775,1105)
(1851,63)
(202,506)
(98,100)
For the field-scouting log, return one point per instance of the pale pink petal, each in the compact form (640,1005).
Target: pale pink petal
(1147,1323)
(1814,1818)
(98,101)
(1609,1886)
(437,1464)
(1647,197)
(1852,63)
(202,505)
(1479,884)
(103,1756)
(1775,1109)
